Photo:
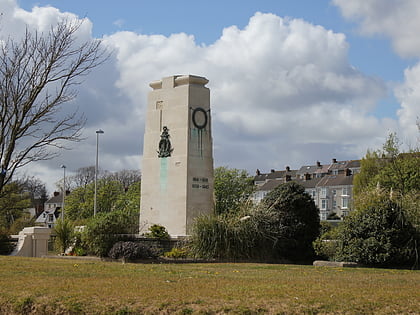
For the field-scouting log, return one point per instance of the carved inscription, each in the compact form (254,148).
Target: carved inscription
(200,183)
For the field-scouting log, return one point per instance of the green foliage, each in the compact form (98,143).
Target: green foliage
(296,221)
(64,234)
(132,250)
(129,200)
(231,188)
(6,246)
(178,252)
(110,196)
(224,237)
(105,229)
(282,227)
(326,245)
(159,232)
(379,236)
(388,169)
(79,204)
(13,202)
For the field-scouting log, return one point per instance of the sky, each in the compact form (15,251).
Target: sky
(292,82)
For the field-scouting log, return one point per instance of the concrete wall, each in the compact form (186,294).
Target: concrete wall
(32,242)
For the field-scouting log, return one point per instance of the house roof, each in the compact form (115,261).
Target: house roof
(270,185)
(353,164)
(309,183)
(274,175)
(55,199)
(335,180)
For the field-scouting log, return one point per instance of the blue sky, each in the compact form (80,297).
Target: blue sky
(339,75)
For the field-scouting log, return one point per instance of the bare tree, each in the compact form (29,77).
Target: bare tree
(38,74)
(126,177)
(83,177)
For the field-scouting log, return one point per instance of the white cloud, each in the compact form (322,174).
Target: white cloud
(399,20)
(282,93)
(408,94)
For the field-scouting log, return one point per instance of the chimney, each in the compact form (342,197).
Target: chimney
(334,161)
(288,178)
(272,170)
(287,168)
(348,172)
(318,163)
(56,193)
(258,172)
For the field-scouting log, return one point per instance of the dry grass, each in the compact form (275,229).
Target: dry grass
(57,286)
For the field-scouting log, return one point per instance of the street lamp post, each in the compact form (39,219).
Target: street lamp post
(64,190)
(96,169)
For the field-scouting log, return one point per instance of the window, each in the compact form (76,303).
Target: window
(334,192)
(345,191)
(334,203)
(323,192)
(335,172)
(324,204)
(50,218)
(344,203)
(323,215)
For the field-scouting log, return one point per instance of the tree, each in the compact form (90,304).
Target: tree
(38,75)
(111,196)
(104,230)
(379,235)
(13,202)
(83,177)
(296,221)
(231,188)
(397,174)
(64,235)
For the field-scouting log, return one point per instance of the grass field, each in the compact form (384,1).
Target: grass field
(63,286)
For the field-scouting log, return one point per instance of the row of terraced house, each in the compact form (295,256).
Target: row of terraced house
(330,185)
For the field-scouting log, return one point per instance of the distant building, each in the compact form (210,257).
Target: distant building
(52,211)
(330,186)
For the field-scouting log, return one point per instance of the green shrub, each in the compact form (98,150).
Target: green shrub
(378,236)
(326,245)
(159,232)
(177,252)
(282,227)
(132,250)
(64,232)
(295,223)
(6,245)
(105,229)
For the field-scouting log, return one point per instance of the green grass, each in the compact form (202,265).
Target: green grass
(63,286)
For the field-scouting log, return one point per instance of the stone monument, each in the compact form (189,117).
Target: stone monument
(177,170)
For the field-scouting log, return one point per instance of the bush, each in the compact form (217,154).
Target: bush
(378,236)
(105,229)
(6,245)
(64,232)
(159,232)
(178,252)
(132,250)
(326,245)
(295,223)
(282,227)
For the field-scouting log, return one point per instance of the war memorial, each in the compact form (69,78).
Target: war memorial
(177,169)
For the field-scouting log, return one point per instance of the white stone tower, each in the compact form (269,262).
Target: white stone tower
(177,170)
